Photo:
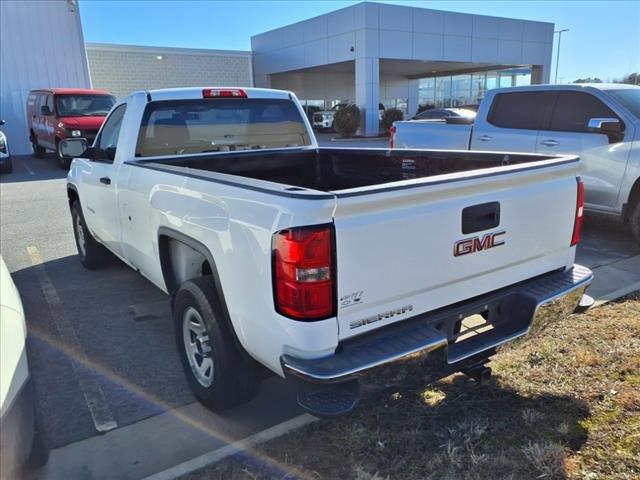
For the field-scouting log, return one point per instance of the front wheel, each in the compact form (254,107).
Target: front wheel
(92,254)
(634,222)
(38,151)
(219,374)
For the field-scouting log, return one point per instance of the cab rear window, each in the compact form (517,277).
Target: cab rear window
(178,127)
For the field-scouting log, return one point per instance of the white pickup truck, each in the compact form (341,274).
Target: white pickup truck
(320,264)
(598,122)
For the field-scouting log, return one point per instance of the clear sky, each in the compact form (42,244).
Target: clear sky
(603,41)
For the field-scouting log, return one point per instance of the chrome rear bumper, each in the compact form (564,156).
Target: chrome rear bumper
(512,312)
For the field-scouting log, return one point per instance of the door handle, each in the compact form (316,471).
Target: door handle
(549,143)
(105,180)
(484,138)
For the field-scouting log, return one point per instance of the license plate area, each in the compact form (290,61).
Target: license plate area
(473,325)
(480,326)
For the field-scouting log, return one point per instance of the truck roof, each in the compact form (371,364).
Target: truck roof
(569,86)
(191,93)
(72,91)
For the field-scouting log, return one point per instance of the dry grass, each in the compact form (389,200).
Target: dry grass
(565,404)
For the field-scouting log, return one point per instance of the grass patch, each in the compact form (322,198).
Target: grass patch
(565,404)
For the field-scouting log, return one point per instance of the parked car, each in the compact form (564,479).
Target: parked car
(444,113)
(58,113)
(17,439)
(323,121)
(6,165)
(280,253)
(599,122)
(310,111)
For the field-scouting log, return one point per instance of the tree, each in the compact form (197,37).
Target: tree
(632,79)
(346,120)
(389,116)
(588,80)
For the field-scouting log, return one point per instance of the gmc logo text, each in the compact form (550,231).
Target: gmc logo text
(477,244)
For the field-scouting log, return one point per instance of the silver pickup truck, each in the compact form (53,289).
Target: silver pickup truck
(598,122)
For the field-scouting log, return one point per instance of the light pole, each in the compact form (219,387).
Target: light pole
(559,32)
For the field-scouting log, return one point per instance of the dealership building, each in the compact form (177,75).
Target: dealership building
(367,54)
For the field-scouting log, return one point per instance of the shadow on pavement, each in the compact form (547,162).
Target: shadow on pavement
(27,168)
(114,329)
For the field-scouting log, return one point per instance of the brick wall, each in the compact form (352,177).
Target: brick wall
(122,70)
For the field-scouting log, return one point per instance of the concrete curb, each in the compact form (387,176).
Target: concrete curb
(228,450)
(610,297)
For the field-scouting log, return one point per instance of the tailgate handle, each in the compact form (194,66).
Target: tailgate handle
(480,217)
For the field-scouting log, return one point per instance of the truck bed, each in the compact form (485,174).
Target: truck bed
(334,169)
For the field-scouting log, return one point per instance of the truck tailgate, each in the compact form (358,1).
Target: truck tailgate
(407,248)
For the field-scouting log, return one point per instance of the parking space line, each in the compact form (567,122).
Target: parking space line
(228,450)
(103,419)
(31,172)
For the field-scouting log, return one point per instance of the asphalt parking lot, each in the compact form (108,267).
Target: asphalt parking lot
(101,344)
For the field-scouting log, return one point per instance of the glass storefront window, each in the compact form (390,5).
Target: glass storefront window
(478,87)
(443,92)
(467,89)
(492,80)
(505,80)
(427,92)
(460,90)
(523,79)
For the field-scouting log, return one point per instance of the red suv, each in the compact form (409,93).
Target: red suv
(58,113)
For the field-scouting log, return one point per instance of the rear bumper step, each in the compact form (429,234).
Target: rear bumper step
(511,313)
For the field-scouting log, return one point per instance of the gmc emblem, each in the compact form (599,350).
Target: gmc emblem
(477,244)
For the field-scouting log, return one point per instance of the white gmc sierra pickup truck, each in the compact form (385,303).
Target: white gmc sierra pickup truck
(599,122)
(320,264)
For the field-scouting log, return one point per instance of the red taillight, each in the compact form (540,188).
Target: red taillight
(392,133)
(224,93)
(577,226)
(303,270)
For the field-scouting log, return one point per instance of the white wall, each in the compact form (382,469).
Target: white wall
(42,46)
(122,69)
(399,32)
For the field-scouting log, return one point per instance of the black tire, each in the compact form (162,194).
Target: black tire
(63,163)
(92,254)
(7,167)
(233,373)
(634,222)
(38,151)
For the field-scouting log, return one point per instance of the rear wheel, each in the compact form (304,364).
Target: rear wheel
(92,254)
(634,222)
(219,374)
(38,151)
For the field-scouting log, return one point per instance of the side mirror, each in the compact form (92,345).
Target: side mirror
(110,153)
(611,127)
(44,110)
(605,125)
(73,147)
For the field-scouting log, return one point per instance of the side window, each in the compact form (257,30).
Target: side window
(49,103)
(573,110)
(107,141)
(523,110)
(40,98)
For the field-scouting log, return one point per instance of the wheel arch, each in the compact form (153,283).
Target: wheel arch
(634,197)
(168,240)
(72,194)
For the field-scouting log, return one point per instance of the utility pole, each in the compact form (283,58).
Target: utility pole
(559,32)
